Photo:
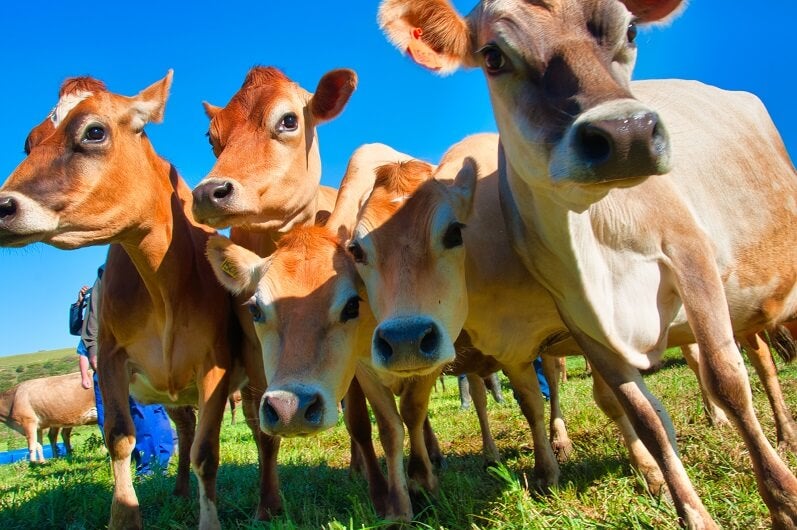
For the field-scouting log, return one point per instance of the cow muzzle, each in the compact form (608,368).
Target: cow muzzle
(295,410)
(409,346)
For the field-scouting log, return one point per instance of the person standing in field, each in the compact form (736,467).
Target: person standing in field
(154,436)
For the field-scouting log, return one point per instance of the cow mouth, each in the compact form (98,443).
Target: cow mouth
(12,240)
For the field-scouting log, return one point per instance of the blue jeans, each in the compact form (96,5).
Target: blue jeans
(154,439)
(546,391)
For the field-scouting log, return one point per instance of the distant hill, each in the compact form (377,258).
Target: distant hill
(17,368)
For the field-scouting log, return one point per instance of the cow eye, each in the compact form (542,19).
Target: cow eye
(356,252)
(93,134)
(453,236)
(27,145)
(289,122)
(351,310)
(631,32)
(494,59)
(257,313)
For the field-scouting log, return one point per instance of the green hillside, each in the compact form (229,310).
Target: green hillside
(17,368)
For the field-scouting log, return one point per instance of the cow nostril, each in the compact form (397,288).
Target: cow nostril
(594,143)
(8,207)
(430,341)
(315,410)
(383,347)
(222,190)
(272,418)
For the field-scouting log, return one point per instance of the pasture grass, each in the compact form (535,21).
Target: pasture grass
(598,489)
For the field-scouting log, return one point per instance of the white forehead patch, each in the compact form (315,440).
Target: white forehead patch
(65,106)
(400,198)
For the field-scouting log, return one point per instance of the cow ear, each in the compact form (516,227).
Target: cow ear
(464,188)
(431,32)
(654,10)
(210,110)
(332,94)
(149,105)
(237,269)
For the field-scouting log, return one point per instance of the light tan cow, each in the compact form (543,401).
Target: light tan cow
(316,333)
(52,402)
(623,200)
(307,293)
(265,181)
(417,230)
(96,179)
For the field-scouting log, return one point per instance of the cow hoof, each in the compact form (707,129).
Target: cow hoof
(562,449)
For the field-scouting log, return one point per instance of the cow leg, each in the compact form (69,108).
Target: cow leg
(524,380)
(358,423)
(33,436)
(640,457)
(213,386)
(560,441)
(653,426)
(761,357)
(391,435)
(66,436)
(478,393)
(52,436)
(184,419)
(269,503)
(433,445)
(725,377)
(716,416)
(414,405)
(120,435)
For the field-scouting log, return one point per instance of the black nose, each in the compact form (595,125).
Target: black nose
(622,148)
(8,208)
(295,410)
(407,341)
(214,192)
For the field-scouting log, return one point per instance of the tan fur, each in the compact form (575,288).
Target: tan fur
(47,403)
(274,174)
(594,233)
(152,338)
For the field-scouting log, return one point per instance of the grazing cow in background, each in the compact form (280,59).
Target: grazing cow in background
(167,330)
(47,403)
(623,200)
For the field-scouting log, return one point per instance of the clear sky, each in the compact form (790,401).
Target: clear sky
(211,46)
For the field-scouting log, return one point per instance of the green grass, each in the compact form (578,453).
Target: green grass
(597,488)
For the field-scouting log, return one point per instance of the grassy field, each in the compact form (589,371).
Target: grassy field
(597,490)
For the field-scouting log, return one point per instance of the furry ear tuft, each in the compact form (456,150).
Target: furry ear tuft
(237,269)
(431,32)
(150,104)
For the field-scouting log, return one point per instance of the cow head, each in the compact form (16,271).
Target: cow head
(74,188)
(269,167)
(409,251)
(558,74)
(305,306)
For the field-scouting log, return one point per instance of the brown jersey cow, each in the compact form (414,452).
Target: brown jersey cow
(167,330)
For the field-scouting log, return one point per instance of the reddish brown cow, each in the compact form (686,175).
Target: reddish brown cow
(165,325)
(627,211)
(47,403)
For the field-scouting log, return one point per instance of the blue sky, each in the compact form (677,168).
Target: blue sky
(211,47)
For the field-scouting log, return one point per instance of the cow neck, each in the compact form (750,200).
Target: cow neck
(161,244)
